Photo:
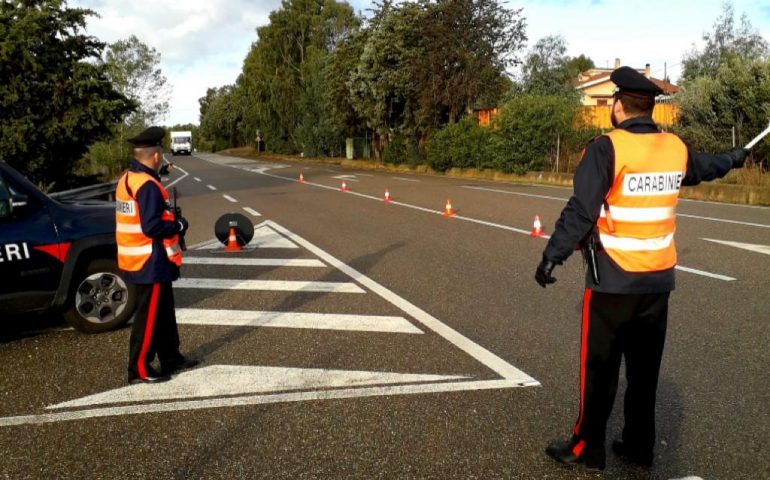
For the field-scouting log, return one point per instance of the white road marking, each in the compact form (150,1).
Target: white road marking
(221,380)
(752,247)
(513,377)
(252,211)
(197,179)
(230,199)
(211,187)
(268,285)
(406,179)
(315,321)
(178,179)
(255,262)
(508,192)
(723,220)
(364,174)
(349,178)
(489,359)
(187,405)
(706,274)
(686,215)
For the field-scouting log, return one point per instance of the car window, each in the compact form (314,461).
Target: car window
(5,195)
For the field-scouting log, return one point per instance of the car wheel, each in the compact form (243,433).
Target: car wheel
(101,299)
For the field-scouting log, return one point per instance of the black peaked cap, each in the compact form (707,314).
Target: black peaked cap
(631,81)
(151,137)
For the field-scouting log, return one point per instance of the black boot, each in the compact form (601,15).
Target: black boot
(638,456)
(591,458)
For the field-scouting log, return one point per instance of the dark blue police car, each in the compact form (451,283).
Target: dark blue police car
(59,256)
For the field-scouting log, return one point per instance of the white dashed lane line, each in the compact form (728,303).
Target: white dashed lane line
(197,179)
(211,187)
(252,211)
(230,199)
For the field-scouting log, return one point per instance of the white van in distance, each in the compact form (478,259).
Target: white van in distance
(181,143)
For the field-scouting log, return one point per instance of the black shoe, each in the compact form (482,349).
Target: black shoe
(133,380)
(183,363)
(638,456)
(591,458)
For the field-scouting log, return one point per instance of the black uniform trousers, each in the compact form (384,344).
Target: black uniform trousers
(632,326)
(154,331)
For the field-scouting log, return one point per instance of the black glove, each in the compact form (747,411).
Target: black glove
(183,225)
(738,156)
(543,274)
(165,168)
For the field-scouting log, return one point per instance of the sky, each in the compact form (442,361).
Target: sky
(203,42)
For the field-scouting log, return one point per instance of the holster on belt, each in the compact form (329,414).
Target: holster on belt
(589,246)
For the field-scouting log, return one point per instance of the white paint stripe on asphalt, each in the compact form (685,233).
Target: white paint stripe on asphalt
(178,179)
(723,220)
(686,215)
(221,380)
(261,400)
(230,199)
(268,285)
(752,247)
(197,179)
(315,321)
(252,211)
(508,192)
(211,187)
(489,359)
(706,274)
(255,262)
(406,179)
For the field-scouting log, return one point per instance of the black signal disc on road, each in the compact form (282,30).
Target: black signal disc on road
(244,229)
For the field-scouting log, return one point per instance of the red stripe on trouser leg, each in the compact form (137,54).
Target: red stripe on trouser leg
(578,448)
(148,331)
(583,356)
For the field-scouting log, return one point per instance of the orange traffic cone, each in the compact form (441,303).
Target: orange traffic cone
(232,242)
(387,195)
(344,187)
(537,228)
(301,178)
(448,212)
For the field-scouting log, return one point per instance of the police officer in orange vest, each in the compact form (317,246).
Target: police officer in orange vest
(622,213)
(149,255)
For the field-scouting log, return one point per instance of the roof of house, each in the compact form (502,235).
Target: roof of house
(599,76)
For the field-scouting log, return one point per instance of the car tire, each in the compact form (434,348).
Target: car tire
(101,300)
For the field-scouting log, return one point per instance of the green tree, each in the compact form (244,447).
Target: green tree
(55,96)
(134,69)
(726,41)
(548,70)
(429,62)
(284,72)
(219,127)
(736,96)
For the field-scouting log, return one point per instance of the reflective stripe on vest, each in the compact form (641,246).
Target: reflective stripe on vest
(638,229)
(134,247)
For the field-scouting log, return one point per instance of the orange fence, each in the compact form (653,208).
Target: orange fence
(599,116)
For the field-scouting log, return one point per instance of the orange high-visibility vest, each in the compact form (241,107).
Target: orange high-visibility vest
(637,222)
(134,247)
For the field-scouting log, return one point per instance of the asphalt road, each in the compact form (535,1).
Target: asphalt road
(362,339)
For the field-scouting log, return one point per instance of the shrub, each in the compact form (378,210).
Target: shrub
(464,144)
(528,126)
